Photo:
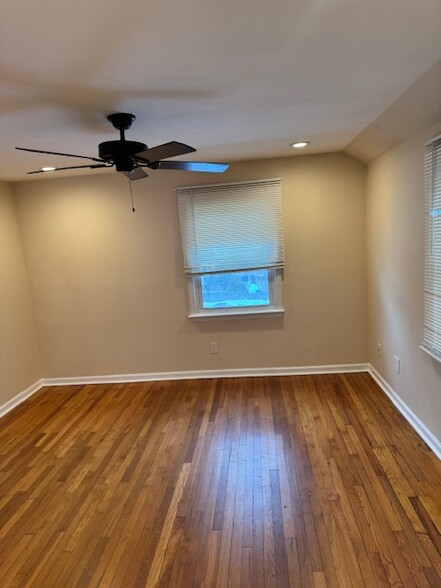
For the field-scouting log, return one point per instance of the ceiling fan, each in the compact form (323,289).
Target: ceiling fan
(132,157)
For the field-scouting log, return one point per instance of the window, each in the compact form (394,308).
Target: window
(235,289)
(432,283)
(233,247)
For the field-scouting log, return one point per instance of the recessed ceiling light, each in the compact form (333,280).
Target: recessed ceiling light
(300,144)
(48,168)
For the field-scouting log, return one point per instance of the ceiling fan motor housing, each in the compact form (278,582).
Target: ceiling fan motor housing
(120,153)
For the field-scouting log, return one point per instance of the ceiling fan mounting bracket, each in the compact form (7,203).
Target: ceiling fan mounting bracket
(121,120)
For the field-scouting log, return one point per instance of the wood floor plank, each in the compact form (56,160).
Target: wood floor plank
(158,560)
(302,481)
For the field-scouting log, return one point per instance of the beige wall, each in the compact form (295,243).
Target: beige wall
(395,236)
(19,367)
(108,286)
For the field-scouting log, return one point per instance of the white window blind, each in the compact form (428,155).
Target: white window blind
(432,285)
(231,227)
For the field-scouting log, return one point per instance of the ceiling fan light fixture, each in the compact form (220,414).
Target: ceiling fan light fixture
(300,144)
(47,168)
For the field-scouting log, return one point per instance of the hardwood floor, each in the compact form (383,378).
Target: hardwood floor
(305,481)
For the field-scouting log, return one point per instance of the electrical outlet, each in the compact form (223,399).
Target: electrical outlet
(397,364)
(379,349)
(214,347)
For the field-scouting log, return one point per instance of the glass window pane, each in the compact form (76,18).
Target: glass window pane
(235,289)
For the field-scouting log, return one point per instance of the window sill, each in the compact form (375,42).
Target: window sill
(431,353)
(274,312)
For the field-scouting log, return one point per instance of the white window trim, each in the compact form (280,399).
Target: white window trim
(196,310)
(430,352)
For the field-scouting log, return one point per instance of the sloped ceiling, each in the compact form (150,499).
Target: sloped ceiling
(414,111)
(237,80)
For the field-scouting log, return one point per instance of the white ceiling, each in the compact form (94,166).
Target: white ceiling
(237,79)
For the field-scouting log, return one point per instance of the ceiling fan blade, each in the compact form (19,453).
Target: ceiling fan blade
(137,174)
(56,153)
(192,166)
(164,151)
(42,171)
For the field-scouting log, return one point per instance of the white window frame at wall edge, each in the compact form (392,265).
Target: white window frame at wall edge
(275,307)
(430,352)
(432,140)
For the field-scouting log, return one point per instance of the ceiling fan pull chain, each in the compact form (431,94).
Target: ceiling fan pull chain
(131,195)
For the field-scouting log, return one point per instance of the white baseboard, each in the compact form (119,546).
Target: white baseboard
(183,375)
(426,435)
(20,397)
(204,374)
(409,415)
